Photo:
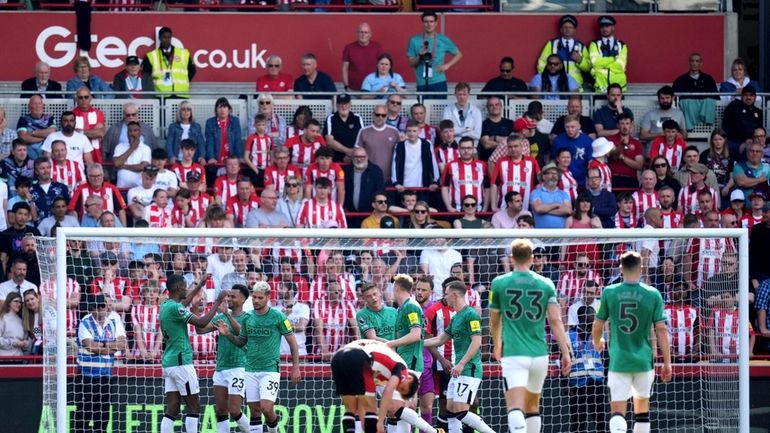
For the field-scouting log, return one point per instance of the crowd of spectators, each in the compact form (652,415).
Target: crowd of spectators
(475,169)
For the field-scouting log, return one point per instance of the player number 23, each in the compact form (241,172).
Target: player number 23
(237,383)
(533,308)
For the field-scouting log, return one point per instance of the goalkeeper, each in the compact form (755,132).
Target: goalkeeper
(261,332)
(632,308)
(357,369)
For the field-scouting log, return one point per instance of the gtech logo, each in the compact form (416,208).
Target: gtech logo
(57,46)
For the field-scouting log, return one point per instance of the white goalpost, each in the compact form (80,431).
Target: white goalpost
(709,391)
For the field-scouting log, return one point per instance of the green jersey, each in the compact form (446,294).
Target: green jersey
(465,324)
(263,334)
(381,321)
(176,341)
(228,354)
(410,316)
(631,309)
(522,298)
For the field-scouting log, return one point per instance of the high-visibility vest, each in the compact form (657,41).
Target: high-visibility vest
(555,46)
(179,84)
(608,64)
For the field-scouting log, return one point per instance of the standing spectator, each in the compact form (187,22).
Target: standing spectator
(515,172)
(549,204)
(722,326)
(670,144)
(96,185)
(606,117)
(609,57)
(579,145)
(134,81)
(628,156)
(171,68)
(505,82)
(267,215)
(7,135)
(302,115)
(11,238)
(278,173)
(586,379)
(13,340)
(740,119)
(333,321)
(239,206)
(303,147)
(646,197)
(312,80)
(383,79)
(145,321)
(84,78)
(752,174)
(118,133)
(414,164)
(41,84)
(320,211)
(324,167)
(737,80)
(17,164)
(445,146)
(298,314)
(554,80)
(45,191)
(437,262)
(184,128)
(691,157)
(131,158)
(223,134)
(652,121)
(463,177)
(599,150)
(697,109)
(419,115)
(427,52)
(603,202)
(274,81)
(341,129)
(17,281)
(495,129)
(683,322)
(90,121)
(590,299)
(688,197)
(33,320)
(226,186)
(378,140)
(276,124)
(571,51)
(717,159)
(567,182)
(395,119)
(33,127)
(256,151)
(465,116)
(362,180)
(574,108)
(762,305)
(359,58)
(77,148)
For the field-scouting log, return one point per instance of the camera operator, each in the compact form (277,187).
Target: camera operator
(426,54)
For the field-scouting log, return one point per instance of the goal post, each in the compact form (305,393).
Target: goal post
(710,391)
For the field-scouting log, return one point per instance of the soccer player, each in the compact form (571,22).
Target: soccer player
(465,332)
(632,308)
(261,332)
(360,366)
(426,394)
(519,303)
(375,320)
(179,376)
(408,344)
(229,372)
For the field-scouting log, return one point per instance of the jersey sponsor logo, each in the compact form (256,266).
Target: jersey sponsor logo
(259,332)
(475,326)
(414,318)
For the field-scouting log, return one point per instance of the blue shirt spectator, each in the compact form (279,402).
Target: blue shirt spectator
(550,205)
(581,151)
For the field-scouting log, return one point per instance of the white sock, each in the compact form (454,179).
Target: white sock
(455,426)
(641,427)
(359,429)
(255,428)
(413,418)
(534,423)
(390,426)
(191,424)
(223,426)
(273,429)
(472,420)
(243,423)
(516,422)
(166,425)
(403,427)
(618,424)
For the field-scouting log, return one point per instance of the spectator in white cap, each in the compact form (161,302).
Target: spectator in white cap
(601,147)
(737,205)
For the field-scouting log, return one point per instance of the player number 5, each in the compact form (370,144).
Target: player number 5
(628,314)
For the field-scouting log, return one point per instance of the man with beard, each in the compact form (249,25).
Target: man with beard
(58,218)
(426,393)
(652,121)
(606,118)
(549,204)
(79,147)
(29,255)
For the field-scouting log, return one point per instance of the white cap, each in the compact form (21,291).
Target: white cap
(737,195)
(601,146)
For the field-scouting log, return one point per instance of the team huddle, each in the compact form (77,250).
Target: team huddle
(403,353)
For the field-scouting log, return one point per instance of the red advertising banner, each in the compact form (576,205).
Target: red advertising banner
(233,47)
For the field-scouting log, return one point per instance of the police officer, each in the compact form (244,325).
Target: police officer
(572,52)
(609,57)
(170,67)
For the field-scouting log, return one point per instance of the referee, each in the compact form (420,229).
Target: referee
(100,338)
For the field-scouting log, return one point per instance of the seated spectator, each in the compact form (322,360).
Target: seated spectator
(627,158)
(166,178)
(573,282)
(470,220)
(84,78)
(132,80)
(302,147)
(223,134)
(77,147)
(395,116)
(603,201)
(118,133)
(244,202)
(131,158)
(17,164)
(414,164)
(514,172)
(722,328)
(465,176)
(226,185)
(145,320)
(219,263)
(506,217)
(185,127)
(379,139)
(90,121)
(646,197)
(446,146)
(653,120)
(550,205)
(45,190)
(274,81)
(689,197)
(606,117)
(23,194)
(275,124)
(670,144)
(536,113)
(379,216)
(41,84)
(286,271)
(334,323)
(290,201)
(7,135)
(684,327)
(717,159)
(756,214)
(736,209)
(33,127)
(120,251)
(691,156)
(312,80)
(567,182)
(583,215)
(740,119)
(11,238)
(13,340)
(752,174)
(384,80)
(737,80)
(579,145)
(321,211)
(465,116)
(267,215)
(298,122)
(182,214)
(58,218)
(664,175)
(298,314)
(600,148)
(626,218)
(505,82)
(667,278)
(186,165)
(330,270)
(420,217)
(29,254)
(539,146)
(574,108)
(494,130)
(554,79)
(419,115)
(362,180)
(158,213)
(141,196)
(324,167)
(697,109)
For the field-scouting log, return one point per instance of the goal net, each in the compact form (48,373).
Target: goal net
(316,275)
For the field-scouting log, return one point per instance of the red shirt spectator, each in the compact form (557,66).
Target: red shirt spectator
(359,58)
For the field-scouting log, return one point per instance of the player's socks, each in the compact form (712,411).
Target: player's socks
(472,420)
(408,417)
(516,421)
(370,422)
(349,422)
(358,425)
(391,425)
(642,422)
(455,426)
(167,424)
(191,423)
(427,416)
(534,422)
(223,424)
(256,426)
(272,426)
(442,423)
(243,422)
(618,423)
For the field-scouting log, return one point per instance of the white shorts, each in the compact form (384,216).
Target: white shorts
(233,379)
(182,379)
(262,386)
(396,395)
(463,389)
(626,385)
(525,371)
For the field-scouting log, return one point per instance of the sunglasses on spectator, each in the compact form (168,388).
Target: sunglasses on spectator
(420,211)
(660,165)
(394,102)
(469,204)
(380,115)
(264,102)
(381,201)
(83,97)
(292,185)
(583,265)
(273,66)
(554,64)
(506,71)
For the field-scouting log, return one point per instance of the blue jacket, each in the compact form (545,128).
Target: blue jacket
(582,153)
(214,138)
(95,83)
(587,367)
(174,137)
